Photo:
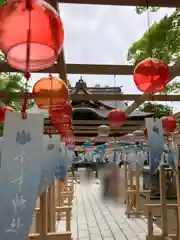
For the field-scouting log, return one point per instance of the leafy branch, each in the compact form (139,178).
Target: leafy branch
(161,41)
(142,9)
(172,88)
(159,110)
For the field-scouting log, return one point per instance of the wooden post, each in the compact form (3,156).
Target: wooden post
(43,216)
(130,187)
(178,194)
(132,190)
(51,219)
(53,206)
(163,201)
(127,200)
(125,172)
(46,209)
(49,209)
(137,192)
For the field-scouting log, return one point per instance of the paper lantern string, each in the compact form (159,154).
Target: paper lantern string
(24,105)
(27,73)
(151,97)
(50,108)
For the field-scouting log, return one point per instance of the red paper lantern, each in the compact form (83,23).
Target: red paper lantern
(151,75)
(62,125)
(68,139)
(63,128)
(59,112)
(64,135)
(169,124)
(116,117)
(50,86)
(61,117)
(63,139)
(3,110)
(46,34)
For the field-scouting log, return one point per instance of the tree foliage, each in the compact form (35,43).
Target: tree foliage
(10,82)
(161,41)
(142,9)
(172,88)
(159,110)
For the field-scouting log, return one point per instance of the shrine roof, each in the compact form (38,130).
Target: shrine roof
(100,108)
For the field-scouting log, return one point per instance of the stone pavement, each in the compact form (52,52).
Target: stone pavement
(94,220)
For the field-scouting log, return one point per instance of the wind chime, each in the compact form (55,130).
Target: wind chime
(151,76)
(32,37)
(34,45)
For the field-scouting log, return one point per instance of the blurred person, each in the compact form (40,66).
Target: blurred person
(110,182)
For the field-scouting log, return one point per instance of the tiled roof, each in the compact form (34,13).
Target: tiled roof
(102,112)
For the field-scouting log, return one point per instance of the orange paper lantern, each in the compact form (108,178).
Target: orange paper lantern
(51,86)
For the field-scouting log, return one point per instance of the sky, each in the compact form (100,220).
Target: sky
(102,35)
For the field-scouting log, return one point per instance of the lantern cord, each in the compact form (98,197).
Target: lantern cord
(50,109)
(115,101)
(149,31)
(151,96)
(27,73)
(115,86)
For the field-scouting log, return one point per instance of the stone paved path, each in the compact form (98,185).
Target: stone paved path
(94,220)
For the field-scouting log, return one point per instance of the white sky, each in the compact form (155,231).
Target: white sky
(102,35)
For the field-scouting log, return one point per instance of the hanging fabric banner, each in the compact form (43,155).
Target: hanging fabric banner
(52,154)
(21,163)
(63,165)
(155,143)
(1,141)
(70,155)
(140,161)
(173,154)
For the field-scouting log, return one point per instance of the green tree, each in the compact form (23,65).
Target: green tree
(161,41)
(172,88)
(159,110)
(142,9)
(10,82)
